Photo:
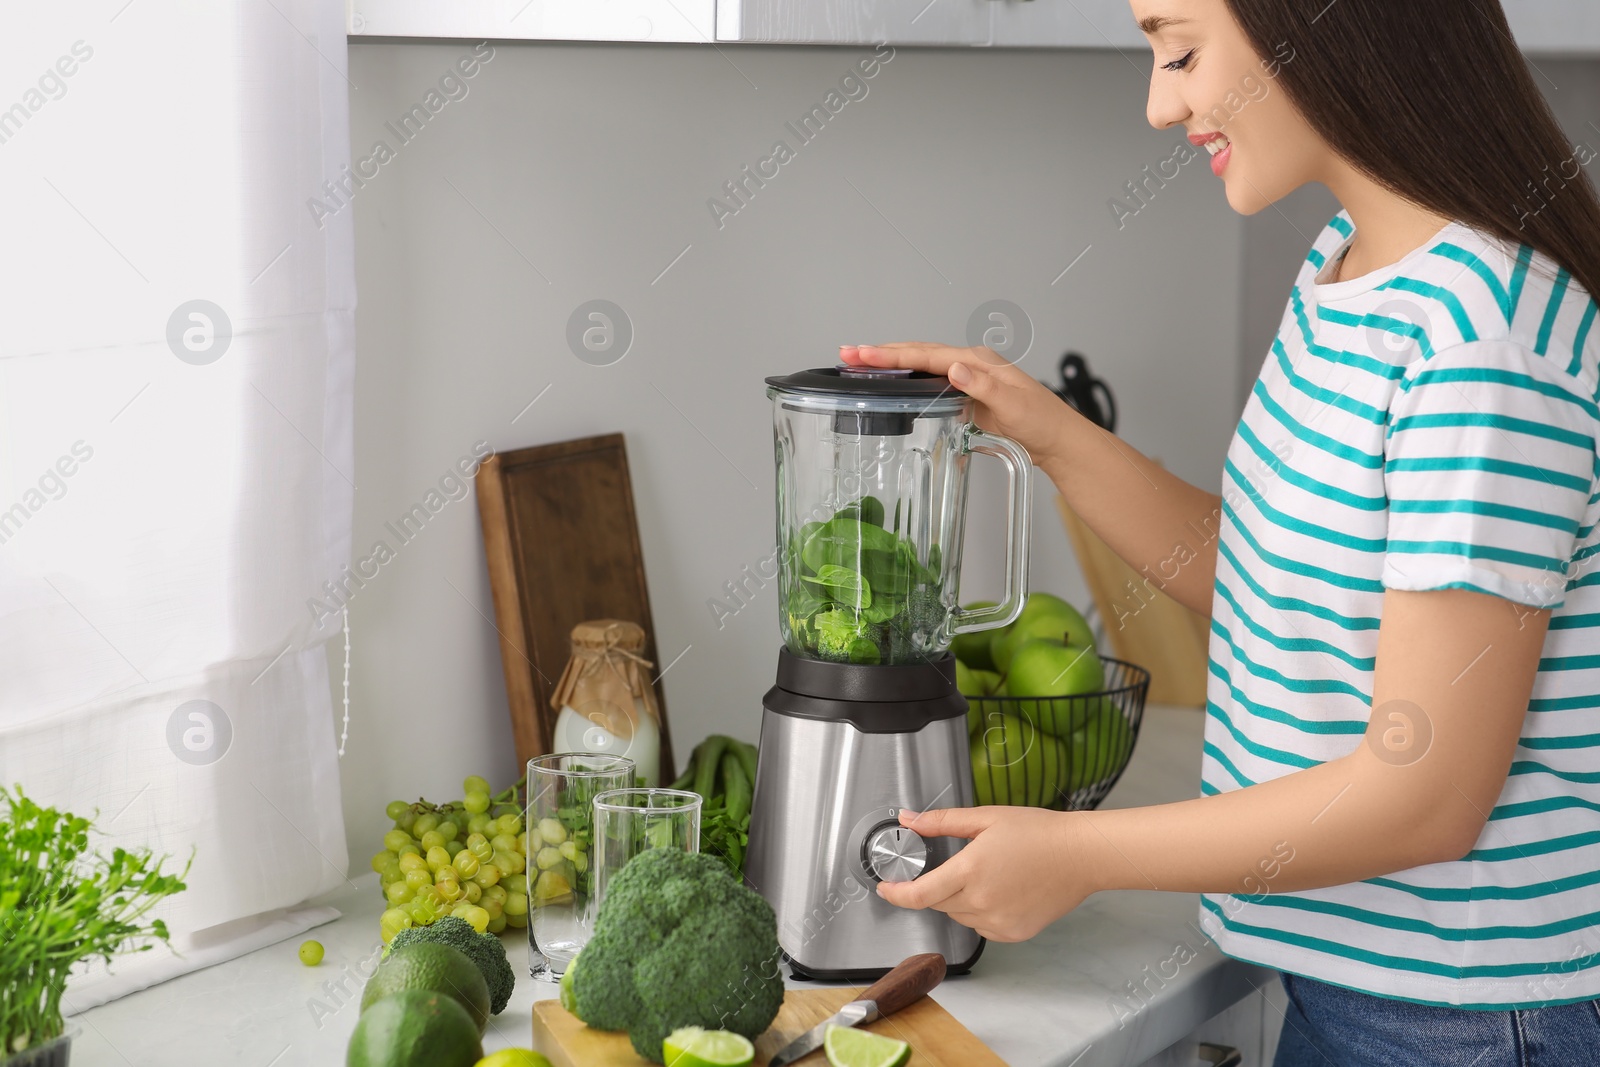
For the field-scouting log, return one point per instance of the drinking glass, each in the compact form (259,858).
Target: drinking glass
(561,792)
(630,821)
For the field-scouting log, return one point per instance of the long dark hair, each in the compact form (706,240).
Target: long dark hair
(1432,99)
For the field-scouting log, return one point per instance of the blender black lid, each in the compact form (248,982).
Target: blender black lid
(865,382)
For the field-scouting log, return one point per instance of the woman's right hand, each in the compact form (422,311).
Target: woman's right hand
(1008,401)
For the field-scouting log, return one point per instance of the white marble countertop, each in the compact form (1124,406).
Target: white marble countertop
(1097,989)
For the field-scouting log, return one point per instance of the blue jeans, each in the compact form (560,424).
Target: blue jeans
(1329,1026)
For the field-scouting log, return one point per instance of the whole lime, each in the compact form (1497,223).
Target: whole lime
(431,967)
(514,1057)
(414,1027)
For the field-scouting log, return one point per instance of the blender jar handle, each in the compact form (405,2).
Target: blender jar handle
(1019,494)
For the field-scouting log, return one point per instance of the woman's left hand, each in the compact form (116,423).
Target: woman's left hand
(1017,874)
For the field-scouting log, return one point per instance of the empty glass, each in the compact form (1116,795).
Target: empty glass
(561,793)
(630,821)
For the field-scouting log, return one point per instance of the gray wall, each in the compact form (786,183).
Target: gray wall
(1275,244)
(574,172)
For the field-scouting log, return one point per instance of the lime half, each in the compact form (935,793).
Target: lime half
(569,998)
(846,1046)
(691,1046)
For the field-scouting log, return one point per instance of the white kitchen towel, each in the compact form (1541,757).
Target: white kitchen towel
(176,462)
(191,953)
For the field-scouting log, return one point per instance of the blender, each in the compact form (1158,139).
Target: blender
(865,718)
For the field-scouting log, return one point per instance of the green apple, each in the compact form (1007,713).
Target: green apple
(1045,604)
(1045,668)
(1101,748)
(972,682)
(1043,616)
(980,711)
(1042,627)
(1013,763)
(1042,668)
(973,649)
(965,684)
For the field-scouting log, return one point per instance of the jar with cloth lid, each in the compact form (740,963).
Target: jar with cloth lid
(604,700)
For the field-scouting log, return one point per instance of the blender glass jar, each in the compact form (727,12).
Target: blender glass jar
(871,503)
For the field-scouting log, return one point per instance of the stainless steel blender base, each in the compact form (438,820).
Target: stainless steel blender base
(827,797)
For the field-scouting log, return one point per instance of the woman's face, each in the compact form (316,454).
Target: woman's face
(1209,79)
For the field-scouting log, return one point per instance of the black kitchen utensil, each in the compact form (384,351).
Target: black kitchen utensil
(1088,395)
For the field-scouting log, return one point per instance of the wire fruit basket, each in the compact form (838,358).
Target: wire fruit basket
(1062,753)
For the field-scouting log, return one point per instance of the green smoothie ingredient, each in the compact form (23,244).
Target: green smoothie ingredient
(692,1046)
(471,858)
(415,1027)
(485,950)
(723,771)
(855,592)
(1040,724)
(432,968)
(846,1046)
(678,942)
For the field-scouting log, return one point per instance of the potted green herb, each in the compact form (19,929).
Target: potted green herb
(61,905)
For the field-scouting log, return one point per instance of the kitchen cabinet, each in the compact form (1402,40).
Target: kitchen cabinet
(1555,27)
(1251,1027)
(691,21)
(1025,23)
(1239,1028)
(899,22)
(1063,24)
(1544,27)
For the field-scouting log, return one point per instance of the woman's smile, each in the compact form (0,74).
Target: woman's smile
(1218,145)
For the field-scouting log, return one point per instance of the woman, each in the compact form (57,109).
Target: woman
(1401,806)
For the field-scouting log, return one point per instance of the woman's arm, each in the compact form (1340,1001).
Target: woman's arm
(1147,515)
(1454,673)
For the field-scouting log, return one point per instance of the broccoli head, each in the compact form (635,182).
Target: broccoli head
(679,942)
(484,950)
(842,637)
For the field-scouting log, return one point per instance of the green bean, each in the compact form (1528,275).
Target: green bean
(738,792)
(708,757)
(747,760)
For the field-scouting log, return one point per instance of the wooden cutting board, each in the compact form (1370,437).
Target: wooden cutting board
(936,1039)
(562,544)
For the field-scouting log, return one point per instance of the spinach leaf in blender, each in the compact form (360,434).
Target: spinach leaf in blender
(842,540)
(842,584)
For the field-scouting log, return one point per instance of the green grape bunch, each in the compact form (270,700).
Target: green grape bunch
(467,858)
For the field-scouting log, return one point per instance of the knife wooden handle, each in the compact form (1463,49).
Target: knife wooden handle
(910,981)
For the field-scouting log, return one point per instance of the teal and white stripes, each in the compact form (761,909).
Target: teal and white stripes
(1430,426)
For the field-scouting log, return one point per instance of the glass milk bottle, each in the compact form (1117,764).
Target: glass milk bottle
(604,700)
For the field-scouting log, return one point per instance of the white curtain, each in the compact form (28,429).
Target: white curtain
(176,478)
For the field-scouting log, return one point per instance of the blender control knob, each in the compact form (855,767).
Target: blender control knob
(892,853)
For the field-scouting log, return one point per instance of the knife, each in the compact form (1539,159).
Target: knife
(909,982)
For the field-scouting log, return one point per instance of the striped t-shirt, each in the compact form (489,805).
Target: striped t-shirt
(1431,425)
